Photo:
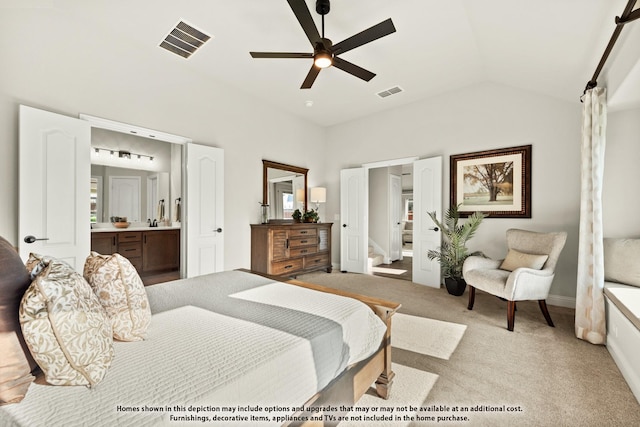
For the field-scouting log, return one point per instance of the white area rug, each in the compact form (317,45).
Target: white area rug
(426,336)
(388,270)
(410,387)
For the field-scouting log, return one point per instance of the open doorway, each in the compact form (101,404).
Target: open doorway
(390,240)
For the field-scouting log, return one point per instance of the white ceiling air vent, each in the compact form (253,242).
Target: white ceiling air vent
(390,91)
(184,40)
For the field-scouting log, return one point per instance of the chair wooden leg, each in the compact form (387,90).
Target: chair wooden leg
(511,314)
(545,312)
(472,297)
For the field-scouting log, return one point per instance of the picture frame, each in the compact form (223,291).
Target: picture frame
(496,182)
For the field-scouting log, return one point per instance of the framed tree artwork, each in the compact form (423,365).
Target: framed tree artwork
(496,182)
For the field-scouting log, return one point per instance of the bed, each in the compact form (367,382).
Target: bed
(231,348)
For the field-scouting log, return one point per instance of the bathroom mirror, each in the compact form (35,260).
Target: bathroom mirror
(284,189)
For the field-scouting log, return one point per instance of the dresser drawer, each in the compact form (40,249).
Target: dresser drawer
(308,250)
(286,267)
(303,241)
(303,232)
(130,249)
(317,261)
(130,236)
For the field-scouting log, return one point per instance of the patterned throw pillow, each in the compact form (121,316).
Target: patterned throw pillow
(65,327)
(121,292)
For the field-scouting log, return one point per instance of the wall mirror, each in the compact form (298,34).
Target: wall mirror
(132,177)
(284,189)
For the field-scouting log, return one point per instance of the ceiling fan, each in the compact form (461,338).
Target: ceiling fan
(325,53)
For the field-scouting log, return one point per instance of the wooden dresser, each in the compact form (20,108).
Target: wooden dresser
(289,249)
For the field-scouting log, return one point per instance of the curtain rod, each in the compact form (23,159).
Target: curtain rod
(627,16)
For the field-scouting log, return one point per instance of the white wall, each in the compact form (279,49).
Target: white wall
(474,119)
(60,72)
(379,208)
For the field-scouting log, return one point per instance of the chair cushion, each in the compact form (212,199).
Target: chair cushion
(491,281)
(121,292)
(516,259)
(16,362)
(65,327)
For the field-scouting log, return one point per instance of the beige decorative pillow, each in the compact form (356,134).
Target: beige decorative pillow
(121,292)
(65,327)
(516,259)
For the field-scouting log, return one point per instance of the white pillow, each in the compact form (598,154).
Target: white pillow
(121,292)
(516,259)
(621,261)
(65,327)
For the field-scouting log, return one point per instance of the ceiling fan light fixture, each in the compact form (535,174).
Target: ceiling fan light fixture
(323,59)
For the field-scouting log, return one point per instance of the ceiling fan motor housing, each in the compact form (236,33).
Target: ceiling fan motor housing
(323,6)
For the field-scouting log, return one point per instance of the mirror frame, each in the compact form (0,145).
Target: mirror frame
(266,164)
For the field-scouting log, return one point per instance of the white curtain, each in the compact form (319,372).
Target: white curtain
(590,315)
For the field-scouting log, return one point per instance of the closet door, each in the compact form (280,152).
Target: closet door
(354,220)
(427,197)
(204,210)
(55,178)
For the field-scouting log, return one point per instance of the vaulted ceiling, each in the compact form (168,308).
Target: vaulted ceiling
(546,46)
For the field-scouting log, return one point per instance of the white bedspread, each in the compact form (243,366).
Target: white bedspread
(195,356)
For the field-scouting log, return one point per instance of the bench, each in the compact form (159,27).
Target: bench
(622,305)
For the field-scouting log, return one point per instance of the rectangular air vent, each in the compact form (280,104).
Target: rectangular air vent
(184,40)
(390,91)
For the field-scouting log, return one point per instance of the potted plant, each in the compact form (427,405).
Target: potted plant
(453,250)
(297,215)
(310,216)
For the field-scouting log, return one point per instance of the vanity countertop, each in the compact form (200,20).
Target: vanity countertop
(145,228)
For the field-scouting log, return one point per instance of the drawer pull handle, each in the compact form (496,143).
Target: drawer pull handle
(129,250)
(303,232)
(303,241)
(288,266)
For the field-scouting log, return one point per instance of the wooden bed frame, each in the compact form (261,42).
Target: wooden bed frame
(350,385)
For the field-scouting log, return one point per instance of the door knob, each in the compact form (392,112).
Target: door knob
(32,239)
(218,230)
(344,225)
(435,229)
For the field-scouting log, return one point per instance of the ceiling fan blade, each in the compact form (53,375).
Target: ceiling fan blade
(370,34)
(353,69)
(301,11)
(311,77)
(281,55)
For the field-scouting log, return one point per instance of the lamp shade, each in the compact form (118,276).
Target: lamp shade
(318,195)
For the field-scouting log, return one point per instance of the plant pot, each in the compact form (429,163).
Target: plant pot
(455,286)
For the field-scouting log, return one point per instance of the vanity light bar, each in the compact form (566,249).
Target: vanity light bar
(122,154)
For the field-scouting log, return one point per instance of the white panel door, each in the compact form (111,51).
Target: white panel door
(204,210)
(124,197)
(427,197)
(353,213)
(55,177)
(395,217)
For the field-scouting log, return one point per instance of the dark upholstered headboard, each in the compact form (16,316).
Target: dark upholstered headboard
(17,363)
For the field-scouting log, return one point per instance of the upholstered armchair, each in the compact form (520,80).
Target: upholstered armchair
(525,274)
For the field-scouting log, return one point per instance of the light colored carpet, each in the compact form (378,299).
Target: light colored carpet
(384,270)
(426,336)
(553,377)
(411,387)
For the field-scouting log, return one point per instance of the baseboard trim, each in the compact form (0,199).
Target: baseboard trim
(561,301)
